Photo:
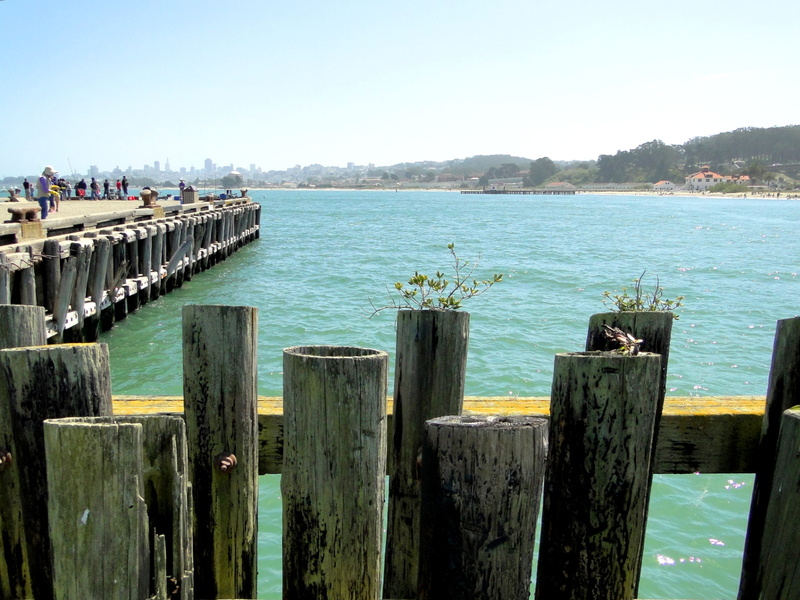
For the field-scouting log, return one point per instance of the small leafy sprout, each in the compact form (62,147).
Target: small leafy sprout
(628,345)
(424,292)
(642,300)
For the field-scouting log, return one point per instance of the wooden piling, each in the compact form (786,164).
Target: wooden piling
(64,296)
(20,325)
(51,250)
(220,400)
(783,392)
(82,251)
(654,328)
(603,411)
(5,280)
(482,480)
(39,383)
(96,510)
(778,573)
(334,472)
(430,369)
(27,286)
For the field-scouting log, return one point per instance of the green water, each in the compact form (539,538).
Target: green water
(323,256)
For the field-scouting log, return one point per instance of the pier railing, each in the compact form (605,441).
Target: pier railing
(90,278)
(102,494)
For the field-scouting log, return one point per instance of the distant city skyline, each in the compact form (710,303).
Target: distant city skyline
(326,83)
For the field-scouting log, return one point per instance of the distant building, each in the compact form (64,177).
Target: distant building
(559,185)
(664,186)
(705,178)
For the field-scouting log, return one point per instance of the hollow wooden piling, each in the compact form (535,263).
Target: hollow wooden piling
(430,369)
(481,484)
(783,392)
(39,383)
(778,572)
(220,400)
(334,472)
(603,411)
(96,510)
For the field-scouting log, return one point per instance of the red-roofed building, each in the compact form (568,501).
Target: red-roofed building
(705,178)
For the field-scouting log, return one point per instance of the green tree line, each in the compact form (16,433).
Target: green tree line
(747,151)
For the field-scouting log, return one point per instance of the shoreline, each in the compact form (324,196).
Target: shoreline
(74,208)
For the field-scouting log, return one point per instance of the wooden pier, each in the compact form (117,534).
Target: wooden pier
(92,270)
(522,192)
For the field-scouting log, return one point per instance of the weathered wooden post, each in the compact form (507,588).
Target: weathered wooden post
(783,392)
(159,461)
(333,471)
(481,484)
(27,285)
(96,510)
(82,251)
(778,573)
(51,271)
(5,280)
(220,405)
(166,493)
(430,369)
(654,328)
(97,284)
(39,383)
(64,295)
(602,419)
(20,325)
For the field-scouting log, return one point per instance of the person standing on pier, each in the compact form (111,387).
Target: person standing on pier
(106,187)
(95,187)
(125,185)
(27,185)
(43,189)
(119,191)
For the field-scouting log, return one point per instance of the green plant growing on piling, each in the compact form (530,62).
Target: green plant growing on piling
(642,300)
(437,292)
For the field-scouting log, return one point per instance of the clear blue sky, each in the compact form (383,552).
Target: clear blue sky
(284,83)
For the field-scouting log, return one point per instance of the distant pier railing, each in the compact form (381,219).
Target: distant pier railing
(102,267)
(539,192)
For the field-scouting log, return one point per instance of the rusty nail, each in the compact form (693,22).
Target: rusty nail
(225,462)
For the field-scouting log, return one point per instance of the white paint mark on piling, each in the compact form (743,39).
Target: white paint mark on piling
(85,517)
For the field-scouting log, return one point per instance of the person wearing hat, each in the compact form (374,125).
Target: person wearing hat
(43,189)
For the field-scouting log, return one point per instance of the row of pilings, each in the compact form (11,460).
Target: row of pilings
(162,507)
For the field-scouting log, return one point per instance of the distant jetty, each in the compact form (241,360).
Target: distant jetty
(523,192)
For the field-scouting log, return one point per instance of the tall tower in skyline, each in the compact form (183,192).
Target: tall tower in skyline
(209,166)
(156,166)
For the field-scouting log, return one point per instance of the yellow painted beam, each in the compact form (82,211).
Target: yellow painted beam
(704,434)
